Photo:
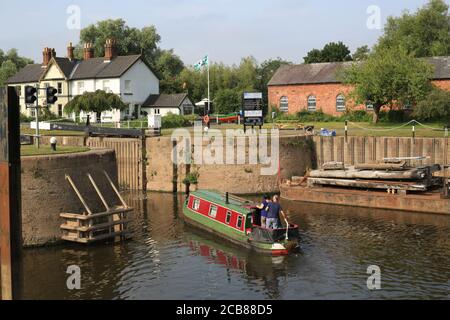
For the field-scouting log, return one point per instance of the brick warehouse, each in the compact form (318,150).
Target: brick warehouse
(314,87)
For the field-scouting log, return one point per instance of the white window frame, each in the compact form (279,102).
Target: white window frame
(339,107)
(284,104)
(196,204)
(213,209)
(240,220)
(228,217)
(80,87)
(127,85)
(312,99)
(106,86)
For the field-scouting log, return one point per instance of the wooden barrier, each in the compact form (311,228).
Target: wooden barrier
(130,155)
(360,150)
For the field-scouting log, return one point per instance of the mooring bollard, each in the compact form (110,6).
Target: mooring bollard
(53,142)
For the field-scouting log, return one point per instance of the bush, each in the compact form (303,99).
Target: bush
(174,121)
(25,119)
(435,107)
(394,116)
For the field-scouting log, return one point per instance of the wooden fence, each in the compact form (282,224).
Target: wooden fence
(358,150)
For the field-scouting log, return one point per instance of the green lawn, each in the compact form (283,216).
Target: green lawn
(46,150)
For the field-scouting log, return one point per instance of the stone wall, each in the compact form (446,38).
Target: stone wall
(46,193)
(296,154)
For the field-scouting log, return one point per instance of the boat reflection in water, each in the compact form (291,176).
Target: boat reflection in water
(260,269)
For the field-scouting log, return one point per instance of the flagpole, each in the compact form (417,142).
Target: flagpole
(209,100)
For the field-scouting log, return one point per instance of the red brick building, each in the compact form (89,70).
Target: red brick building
(314,87)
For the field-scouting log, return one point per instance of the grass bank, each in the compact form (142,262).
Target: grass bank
(31,150)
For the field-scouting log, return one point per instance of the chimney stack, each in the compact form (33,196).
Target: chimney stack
(88,51)
(110,50)
(47,55)
(70,50)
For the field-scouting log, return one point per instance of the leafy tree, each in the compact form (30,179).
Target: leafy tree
(97,102)
(423,33)
(435,107)
(331,52)
(265,72)
(134,41)
(389,77)
(227,101)
(361,53)
(10,64)
(7,70)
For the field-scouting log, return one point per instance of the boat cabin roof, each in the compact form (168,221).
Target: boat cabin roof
(235,203)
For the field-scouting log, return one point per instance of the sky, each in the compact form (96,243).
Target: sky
(226,30)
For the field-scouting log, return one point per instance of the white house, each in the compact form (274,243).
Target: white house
(162,104)
(127,76)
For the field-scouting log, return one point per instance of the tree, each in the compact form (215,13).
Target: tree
(361,53)
(227,101)
(265,72)
(435,107)
(97,102)
(7,70)
(331,52)
(424,33)
(10,64)
(129,41)
(389,77)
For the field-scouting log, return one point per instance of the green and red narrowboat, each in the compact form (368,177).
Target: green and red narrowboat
(238,220)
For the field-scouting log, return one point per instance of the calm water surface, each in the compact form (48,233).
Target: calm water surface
(168,260)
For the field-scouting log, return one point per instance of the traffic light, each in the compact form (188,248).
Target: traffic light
(30,94)
(51,98)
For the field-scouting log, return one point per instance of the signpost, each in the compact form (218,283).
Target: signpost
(10,211)
(252,110)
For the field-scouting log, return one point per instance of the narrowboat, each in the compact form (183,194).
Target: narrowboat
(238,221)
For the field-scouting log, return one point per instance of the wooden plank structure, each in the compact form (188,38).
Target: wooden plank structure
(92,227)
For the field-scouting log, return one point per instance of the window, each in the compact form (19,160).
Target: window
(59,87)
(128,87)
(213,212)
(80,87)
(239,222)
(60,110)
(228,219)
(284,104)
(33,112)
(196,204)
(312,103)
(157,111)
(106,86)
(340,103)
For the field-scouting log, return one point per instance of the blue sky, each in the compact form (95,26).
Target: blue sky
(225,29)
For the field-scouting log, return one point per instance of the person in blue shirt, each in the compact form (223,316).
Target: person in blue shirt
(273,214)
(263,207)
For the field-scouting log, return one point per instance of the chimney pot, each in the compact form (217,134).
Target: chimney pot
(47,55)
(70,50)
(110,50)
(88,51)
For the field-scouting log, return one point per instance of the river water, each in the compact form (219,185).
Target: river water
(168,260)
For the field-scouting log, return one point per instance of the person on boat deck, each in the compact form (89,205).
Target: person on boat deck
(273,214)
(263,207)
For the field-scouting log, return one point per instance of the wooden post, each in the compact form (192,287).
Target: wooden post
(10,195)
